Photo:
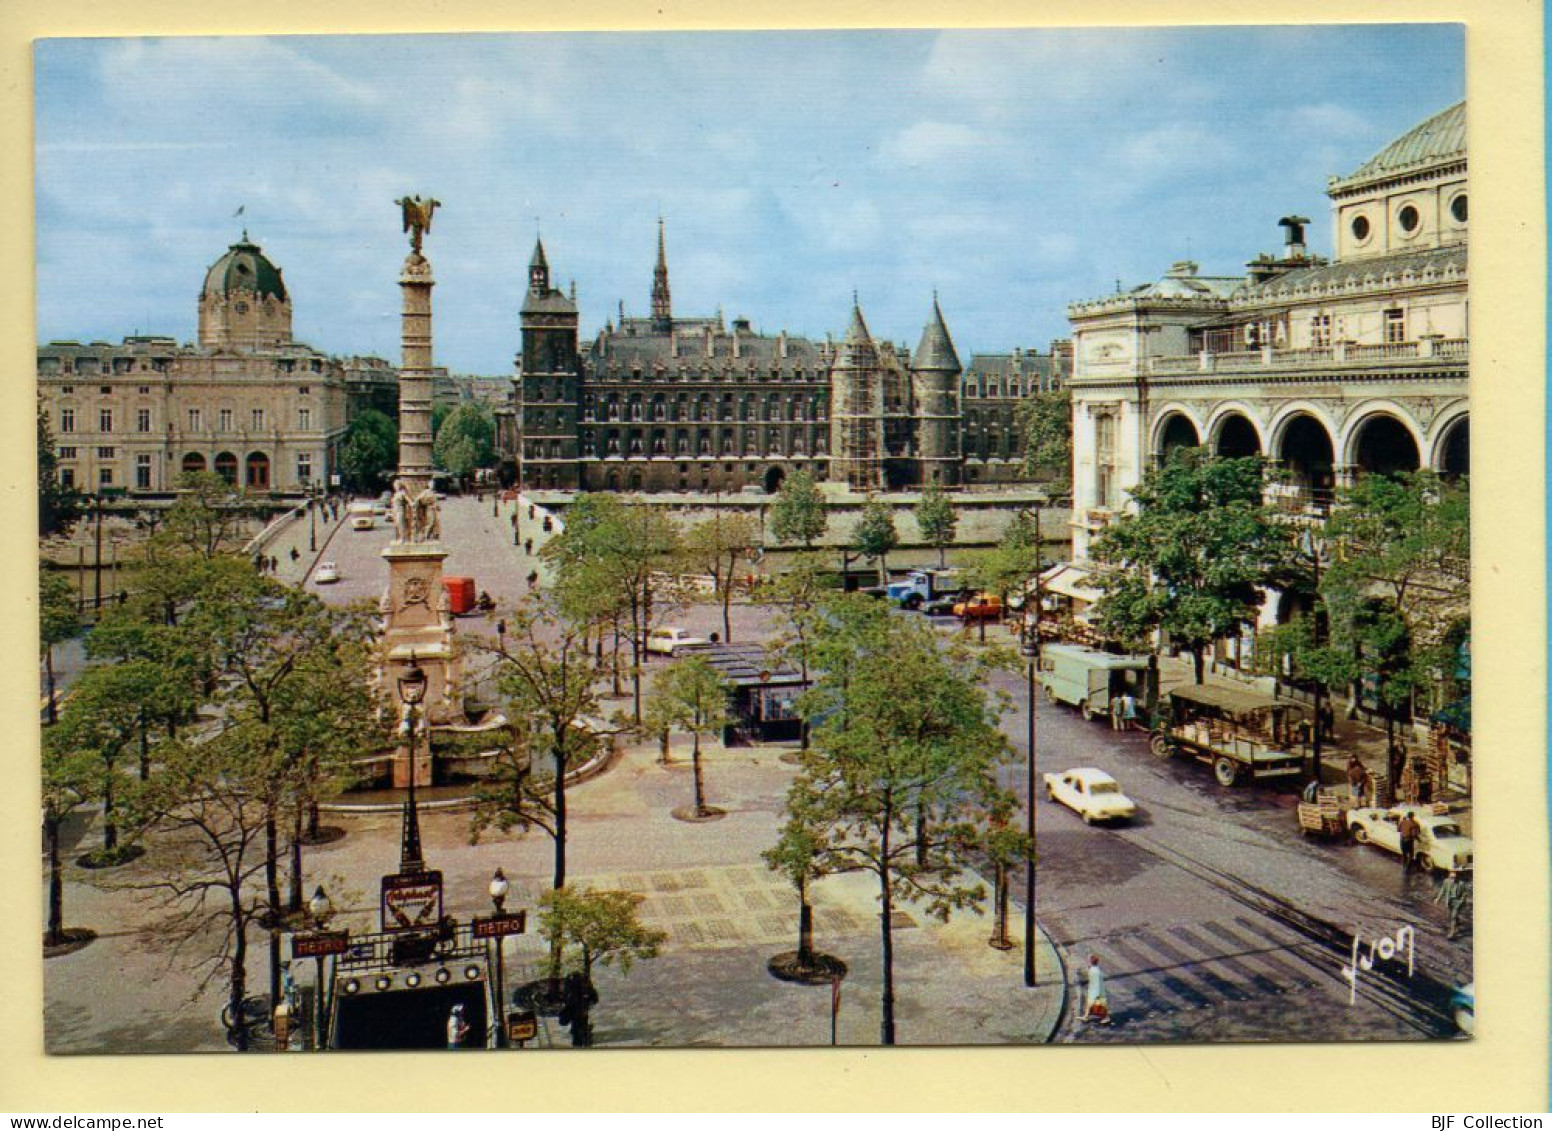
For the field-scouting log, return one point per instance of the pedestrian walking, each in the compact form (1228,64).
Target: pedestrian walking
(1097,1008)
(1312,791)
(1409,830)
(1128,710)
(1356,777)
(457,1028)
(528,546)
(295,553)
(533,578)
(1115,712)
(1455,894)
(1327,722)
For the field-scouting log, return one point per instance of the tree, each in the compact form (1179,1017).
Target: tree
(901,780)
(603,926)
(1010,564)
(799,513)
(1046,421)
(1192,558)
(59,507)
(1398,585)
(937,517)
(875,535)
(58,621)
(465,441)
(370,450)
(70,781)
(692,696)
(549,677)
(796,856)
(209,802)
(718,545)
(797,594)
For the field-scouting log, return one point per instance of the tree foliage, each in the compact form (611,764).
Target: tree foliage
(1191,558)
(370,450)
(693,697)
(901,779)
(1046,421)
(799,513)
(875,535)
(937,518)
(721,546)
(466,440)
(603,927)
(59,507)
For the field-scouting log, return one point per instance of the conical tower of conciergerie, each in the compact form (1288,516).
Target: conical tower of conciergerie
(417,617)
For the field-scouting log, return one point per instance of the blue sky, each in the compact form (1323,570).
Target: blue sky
(1013,171)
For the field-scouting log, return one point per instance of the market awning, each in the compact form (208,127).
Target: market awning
(1068,580)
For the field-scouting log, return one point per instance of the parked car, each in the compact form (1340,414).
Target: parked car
(326,573)
(1440,843)
(942,606)
(363,522)
(983,606)
(669,641)
(1092,794)
(1463,1001)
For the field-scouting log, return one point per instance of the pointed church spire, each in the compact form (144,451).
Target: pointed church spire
(538,269)
(857,332)
(662,308)
(936,350)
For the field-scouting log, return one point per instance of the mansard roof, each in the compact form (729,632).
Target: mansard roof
(1442,264)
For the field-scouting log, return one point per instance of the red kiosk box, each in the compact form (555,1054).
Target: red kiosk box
(460,595)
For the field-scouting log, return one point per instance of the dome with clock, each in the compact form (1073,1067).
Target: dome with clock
(243,304)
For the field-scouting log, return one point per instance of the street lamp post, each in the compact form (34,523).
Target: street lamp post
(1313,547)
(320,908)
(1031,650)
(498,896)
(312,520)
(97,558)
(412,689)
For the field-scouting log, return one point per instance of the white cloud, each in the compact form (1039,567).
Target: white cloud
(937,146)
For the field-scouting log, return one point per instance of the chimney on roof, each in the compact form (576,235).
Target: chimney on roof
(673,343)
(711,342)
(781,344)
(1293,236)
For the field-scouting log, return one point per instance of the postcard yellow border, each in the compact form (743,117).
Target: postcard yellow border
(1505,1069)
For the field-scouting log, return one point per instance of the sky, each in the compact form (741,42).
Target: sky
(1011,171)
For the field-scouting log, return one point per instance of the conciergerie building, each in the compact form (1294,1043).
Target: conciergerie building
(669,403)
(1328,367)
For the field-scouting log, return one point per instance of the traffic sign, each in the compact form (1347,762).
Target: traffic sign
(522,1026)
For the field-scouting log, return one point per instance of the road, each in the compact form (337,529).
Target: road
(1213,918)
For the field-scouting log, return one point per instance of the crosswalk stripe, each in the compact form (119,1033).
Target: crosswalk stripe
(1147,966)
(1270,949)
(1194,966)
(1232,962)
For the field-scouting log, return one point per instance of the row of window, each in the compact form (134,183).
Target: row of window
(635,446)
(145,390)
(258,471)
(224,420)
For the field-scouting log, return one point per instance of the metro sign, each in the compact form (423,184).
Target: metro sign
(412,901)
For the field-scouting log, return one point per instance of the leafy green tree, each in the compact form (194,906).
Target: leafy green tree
(799,513)
(938,518)
(465,441)
(796,856)
(59,507)
(71,778)
(549,678)
(370,450)
(875,535)
(58,621)
(693,697)
(1046,421)
(1192,558)
(604,927)
(797,595)
(1010,565)
(719,545)
(901,780)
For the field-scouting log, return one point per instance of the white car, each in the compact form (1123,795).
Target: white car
(326,573)
(668,641)
(1440,844)
(362,522)
(1093,794)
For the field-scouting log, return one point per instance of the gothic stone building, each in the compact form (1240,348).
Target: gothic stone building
(1328,368)
(691,404)
(248,401)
